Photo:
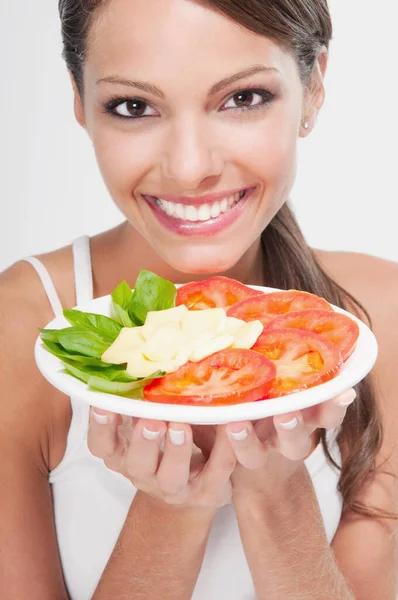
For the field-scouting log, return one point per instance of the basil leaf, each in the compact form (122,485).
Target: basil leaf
(122,389)
(60,353)
(106,328)
(79,341)
(49,334)
(151,293)
(121,297)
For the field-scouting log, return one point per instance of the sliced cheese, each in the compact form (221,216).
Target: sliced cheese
(139,366)
(248,334)
(232,325)
(195,322)
(159,317)
(221,342)
(128,339)
(165,342)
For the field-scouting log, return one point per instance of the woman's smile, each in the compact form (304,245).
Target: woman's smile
(206,217)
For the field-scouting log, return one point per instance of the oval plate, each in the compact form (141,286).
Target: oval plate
(358,365)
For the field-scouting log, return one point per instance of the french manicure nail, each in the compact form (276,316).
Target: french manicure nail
(101,419)
(239,435)
(289,424)
(177,437)
(150,435)
(347,398)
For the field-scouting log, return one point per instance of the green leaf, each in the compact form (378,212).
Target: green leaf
(151,293)
(62,354)
(106,328)
(49,334)
(121,297)
(79,341)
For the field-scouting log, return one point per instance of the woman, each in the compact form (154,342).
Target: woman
(188,103)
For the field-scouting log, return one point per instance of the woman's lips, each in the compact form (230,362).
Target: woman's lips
(199,228)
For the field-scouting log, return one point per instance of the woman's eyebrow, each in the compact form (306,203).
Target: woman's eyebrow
(152,89)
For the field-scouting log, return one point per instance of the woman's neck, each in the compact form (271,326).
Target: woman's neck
(120,253)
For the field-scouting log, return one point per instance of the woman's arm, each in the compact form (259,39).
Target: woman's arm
(286,546)
(159,552)
(279,517)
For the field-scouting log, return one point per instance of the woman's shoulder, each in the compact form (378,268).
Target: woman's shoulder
(372,280)
(21,283)
(24,307)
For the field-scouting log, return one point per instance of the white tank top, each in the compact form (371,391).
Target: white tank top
(91,502)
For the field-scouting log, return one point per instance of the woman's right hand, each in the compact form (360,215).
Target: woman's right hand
(175,474)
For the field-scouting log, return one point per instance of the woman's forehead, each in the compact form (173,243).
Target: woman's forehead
(151,31)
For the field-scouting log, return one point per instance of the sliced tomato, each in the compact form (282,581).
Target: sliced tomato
(227,377)
(215,292)
(333,326)
(302,359)
(267,307)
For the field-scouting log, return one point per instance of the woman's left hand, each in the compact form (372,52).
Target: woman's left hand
(280,444)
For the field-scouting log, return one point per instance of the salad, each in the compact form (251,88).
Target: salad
(210,342)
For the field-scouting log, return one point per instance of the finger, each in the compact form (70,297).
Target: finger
(330,414)
(221,463)
(173,472)
(293,440)
(249,450)
(102,438)
(142,456)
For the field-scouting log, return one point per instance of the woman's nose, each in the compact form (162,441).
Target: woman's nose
(191,156)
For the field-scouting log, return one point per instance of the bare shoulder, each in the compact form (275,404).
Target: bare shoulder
(373,281)
(24,307)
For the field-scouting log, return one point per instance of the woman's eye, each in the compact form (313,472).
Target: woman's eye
(130,109)
(248,99)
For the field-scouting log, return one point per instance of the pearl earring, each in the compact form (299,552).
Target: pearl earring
(306,125)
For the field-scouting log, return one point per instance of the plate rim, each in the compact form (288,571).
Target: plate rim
(183,413)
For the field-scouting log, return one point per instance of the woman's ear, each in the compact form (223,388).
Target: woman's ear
(315,93)
(78,104)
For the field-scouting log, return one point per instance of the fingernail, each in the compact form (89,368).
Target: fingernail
(150,435)
(238,435)
(101,419)
(347,398)
(177,437)
(289,424)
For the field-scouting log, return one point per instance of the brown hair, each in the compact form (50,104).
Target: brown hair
(301,27)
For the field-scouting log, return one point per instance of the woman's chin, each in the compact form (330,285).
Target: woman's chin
(200,262)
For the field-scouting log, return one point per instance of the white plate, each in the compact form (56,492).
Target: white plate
(356,367)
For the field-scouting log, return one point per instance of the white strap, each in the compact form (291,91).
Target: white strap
(83,269)
(47,284)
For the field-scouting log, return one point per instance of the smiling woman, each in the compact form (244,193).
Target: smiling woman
(194,110)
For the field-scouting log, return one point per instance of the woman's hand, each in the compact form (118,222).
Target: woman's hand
(270,450)
(175,475)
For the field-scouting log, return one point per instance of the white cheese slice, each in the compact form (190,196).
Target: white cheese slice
(232,325)
(248,334)
(195,322)
(139,366)
(159,317)
(221,342)
(165,342)
(128,339)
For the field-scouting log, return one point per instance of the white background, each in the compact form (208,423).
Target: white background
(345,194)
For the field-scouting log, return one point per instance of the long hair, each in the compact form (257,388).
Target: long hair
(301,27)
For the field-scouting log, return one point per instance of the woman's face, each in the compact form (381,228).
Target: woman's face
(197,131)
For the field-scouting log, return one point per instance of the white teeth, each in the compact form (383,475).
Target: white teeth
(224,205)
(215,210)
(204,212)
(201,213)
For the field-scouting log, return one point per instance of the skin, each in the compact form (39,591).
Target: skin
(211,150)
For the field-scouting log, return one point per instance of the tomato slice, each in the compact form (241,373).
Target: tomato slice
(302,359)
(215,292)
(333,326)
(267,307)
(227,377)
